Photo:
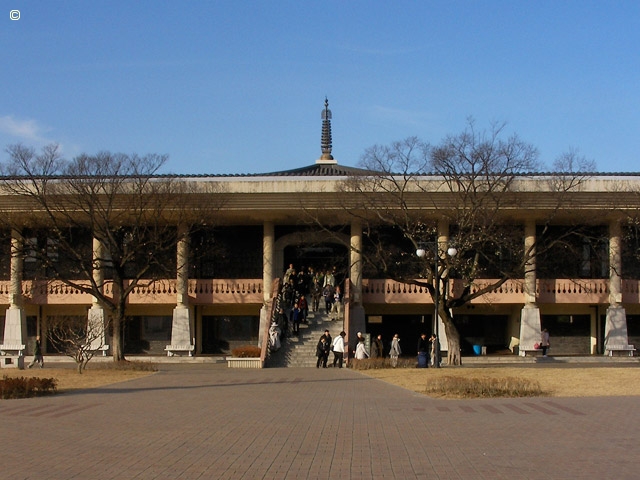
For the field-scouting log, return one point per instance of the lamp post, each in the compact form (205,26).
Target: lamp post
(421,252)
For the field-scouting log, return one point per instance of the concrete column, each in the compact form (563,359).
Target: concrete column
(615,329)
(615,264)
(530,325)
(268,240)
(530,264)
(182,324)
(357,322)
(96,325)
(268,273)
(15,324)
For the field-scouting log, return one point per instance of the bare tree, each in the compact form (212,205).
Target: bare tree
(73,337)
(468,184)
(119,201)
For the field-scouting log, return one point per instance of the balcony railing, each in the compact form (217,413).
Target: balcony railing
(250,291)
(204,291)
(511,292)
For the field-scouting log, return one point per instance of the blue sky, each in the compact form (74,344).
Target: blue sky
(238,86)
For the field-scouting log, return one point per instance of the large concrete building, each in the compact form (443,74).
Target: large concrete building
(304,217)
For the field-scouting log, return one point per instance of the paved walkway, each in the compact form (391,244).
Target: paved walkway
(209,422)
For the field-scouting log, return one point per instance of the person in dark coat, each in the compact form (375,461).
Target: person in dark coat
(322,352)
(423,351)
(37,353)
(377,349)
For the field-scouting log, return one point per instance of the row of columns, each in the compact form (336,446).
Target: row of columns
(182,338)
(616,334)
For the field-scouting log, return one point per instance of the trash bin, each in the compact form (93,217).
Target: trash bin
(477,349)
(423,359)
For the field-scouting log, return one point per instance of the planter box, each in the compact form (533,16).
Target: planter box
(234,362)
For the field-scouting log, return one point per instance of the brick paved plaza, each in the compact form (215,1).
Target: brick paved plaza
(209,422)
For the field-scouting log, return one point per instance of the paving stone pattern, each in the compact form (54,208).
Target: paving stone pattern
(210,422)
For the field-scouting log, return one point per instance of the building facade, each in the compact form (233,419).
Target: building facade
(222,296)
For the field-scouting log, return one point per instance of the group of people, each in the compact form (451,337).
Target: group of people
(337,346)
(302,291)
(325,345)
(301,285)
(428,351)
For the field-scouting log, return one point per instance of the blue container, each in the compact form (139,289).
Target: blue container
(423,359)
(477,349)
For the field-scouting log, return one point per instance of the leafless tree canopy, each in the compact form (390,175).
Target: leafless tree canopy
(466,182)
(71,336)
(116,199)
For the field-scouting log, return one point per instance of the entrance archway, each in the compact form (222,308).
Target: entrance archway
(320,250)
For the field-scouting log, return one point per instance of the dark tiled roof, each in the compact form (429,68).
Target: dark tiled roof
(319,170)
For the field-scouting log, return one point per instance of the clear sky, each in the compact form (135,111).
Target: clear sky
(235,86)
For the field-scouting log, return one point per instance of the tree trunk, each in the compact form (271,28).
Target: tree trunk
(453,340)
(117,347)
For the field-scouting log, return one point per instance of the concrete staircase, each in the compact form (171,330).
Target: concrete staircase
(300,350)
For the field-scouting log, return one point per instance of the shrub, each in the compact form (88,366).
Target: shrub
(246,351)
(21,387)
(381,363)
(126,365)
(483,387)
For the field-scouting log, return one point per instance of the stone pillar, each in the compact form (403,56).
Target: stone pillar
(96,330)
(357,321)
(615,330)
(268,240)
(530,325)
(15,324)
(182,324)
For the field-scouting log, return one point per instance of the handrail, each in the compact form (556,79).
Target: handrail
(272,306)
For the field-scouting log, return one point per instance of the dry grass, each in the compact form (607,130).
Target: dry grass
(554,381)
(69,379)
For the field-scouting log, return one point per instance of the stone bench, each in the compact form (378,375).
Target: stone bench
(624,349)
(12,361)
(531,352)
(173,349)
(12,349)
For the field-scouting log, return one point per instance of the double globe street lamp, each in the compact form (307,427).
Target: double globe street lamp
(421,252)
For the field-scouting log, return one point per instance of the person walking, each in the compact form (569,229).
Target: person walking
(336,307)
(37,353)
(274,337)
(329,342)
(423,351)
(544,341)
(435,351)
(296,317)
(361,350)
(377,348)
(322,351)
(395,350)
(338,349)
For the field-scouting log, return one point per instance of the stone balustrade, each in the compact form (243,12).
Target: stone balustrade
(249,291)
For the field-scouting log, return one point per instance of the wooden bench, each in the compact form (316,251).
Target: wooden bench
(172,349)
(624,349)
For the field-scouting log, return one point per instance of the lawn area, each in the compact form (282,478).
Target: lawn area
(561,381)
(69,379)
(557,381)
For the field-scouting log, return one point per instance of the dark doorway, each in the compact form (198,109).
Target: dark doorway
(320,257)
(221,334)
(486,330)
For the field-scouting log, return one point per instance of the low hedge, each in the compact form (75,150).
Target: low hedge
(246,351)
(21,387)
